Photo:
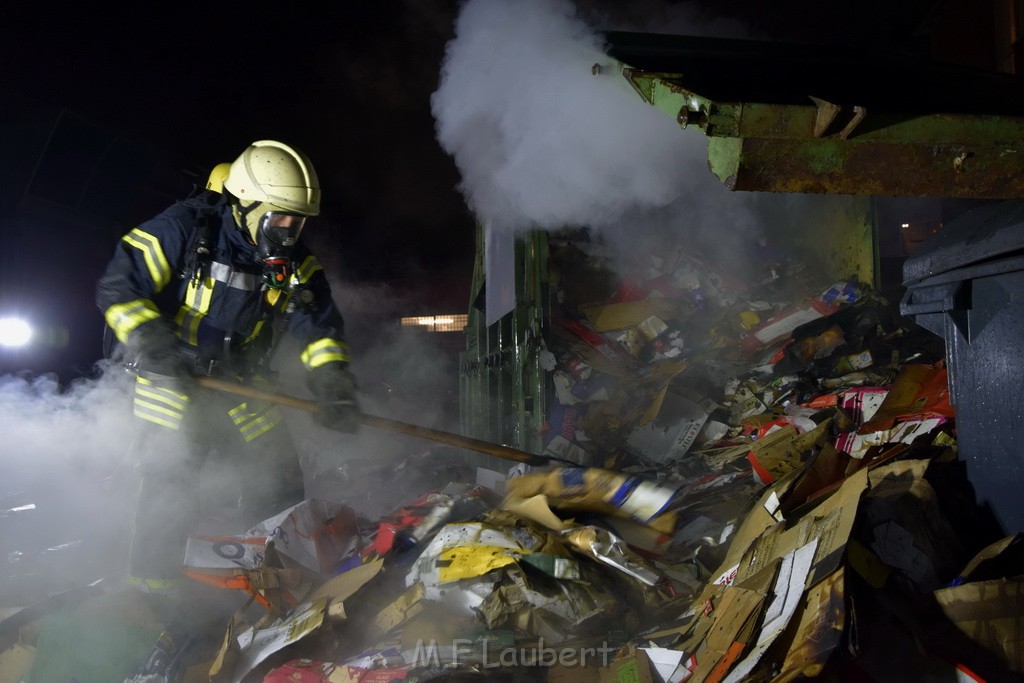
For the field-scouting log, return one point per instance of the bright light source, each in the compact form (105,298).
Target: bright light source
(905,225)
(14,332)
(438,323)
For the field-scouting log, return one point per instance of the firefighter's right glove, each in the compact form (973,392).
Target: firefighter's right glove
(334,388)
(156,356)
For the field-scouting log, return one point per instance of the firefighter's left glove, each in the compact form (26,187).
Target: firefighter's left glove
(334,388)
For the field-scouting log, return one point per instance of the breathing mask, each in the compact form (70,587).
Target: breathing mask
(274,232)
(276,235)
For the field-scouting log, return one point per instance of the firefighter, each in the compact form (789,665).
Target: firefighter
(206,288)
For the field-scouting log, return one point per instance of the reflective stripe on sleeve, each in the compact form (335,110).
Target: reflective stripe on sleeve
(324,350)
(124,318)
(153,253)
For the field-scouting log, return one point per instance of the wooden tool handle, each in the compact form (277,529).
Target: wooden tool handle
(379,422)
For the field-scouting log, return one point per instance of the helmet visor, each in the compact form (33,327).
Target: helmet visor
(281,228)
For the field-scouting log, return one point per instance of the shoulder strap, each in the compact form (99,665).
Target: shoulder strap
(198,251)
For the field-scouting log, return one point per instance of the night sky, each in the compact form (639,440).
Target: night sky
(192,84)
(347,82)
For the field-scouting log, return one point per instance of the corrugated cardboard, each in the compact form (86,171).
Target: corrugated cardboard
(631,666)
(990,613)
(407,606)
(621,316)
(16,661)
(819,628)
(342,587)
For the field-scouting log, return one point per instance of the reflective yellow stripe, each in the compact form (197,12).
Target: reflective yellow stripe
(124,318)
(255,420)
(255,331)
(142,415)
(323,351)
(170,401)
(164,390)
(198,296)
(187,322)
(261,425)
(152,584)
(240,413)
(306,270)
(197,304)
(150,408)
(159,404)
(153,253)
(273,295)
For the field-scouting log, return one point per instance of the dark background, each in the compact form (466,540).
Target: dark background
(111,112)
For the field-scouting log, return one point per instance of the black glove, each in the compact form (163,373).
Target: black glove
(334,388)
(155,355)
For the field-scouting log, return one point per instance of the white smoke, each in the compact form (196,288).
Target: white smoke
(542,143)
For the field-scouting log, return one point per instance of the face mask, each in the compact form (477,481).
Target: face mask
(276,235)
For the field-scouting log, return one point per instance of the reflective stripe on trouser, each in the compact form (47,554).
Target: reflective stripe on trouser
(254,418)
(156,402)
(148,585)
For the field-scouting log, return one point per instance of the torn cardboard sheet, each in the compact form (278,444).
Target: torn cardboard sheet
(600,490)
(671,434)
(784,450)
(990,611)
(314,534)
(542,606)
(819,627)
(257,645)
(785,598)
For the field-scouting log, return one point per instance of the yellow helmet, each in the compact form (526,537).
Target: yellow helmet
(217,177)
(273,173)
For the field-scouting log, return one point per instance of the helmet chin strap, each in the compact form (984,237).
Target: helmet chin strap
(243,219)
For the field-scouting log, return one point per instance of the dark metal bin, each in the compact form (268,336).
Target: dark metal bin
(966,284)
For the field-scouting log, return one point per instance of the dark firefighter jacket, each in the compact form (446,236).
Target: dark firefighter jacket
(224,314)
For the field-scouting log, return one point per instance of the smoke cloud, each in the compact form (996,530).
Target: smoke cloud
(68,478)
(542,143)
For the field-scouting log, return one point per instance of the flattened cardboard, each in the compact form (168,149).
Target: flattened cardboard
(16,661)
(783,451)
(819,627)
(621,316)
(535,509)
(734,611)
(632,667)
(991,613)
(671,434)
(340,588)
(257,645)
(830,522)
(787,594)
(405,607)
